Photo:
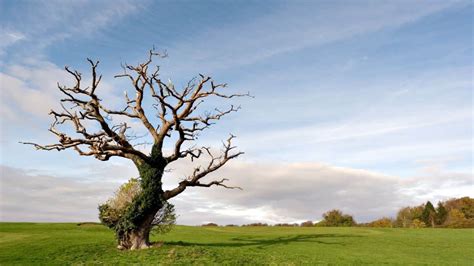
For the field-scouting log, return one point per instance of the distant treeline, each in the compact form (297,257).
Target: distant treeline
(453,213)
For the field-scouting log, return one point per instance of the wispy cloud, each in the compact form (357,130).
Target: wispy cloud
(361,128)
(8,38)
(308,25)
(41,24)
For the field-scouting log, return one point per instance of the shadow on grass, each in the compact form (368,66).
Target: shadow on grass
(326,239)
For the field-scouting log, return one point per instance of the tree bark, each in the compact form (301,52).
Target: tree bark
(135,239)
(137,222)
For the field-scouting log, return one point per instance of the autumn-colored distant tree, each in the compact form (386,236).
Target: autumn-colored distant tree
(417,223)
(406,215)
(464,204)
(382,222)
(455,213)
(336,218)
(455,218)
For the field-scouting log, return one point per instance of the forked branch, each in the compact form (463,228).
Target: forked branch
(214,164)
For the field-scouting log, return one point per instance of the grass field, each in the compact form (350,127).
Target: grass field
(30,243)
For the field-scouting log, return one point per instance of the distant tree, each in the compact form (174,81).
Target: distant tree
(286,225)
(441,214)
(307,224)
(382,222)
(428,216)
(460,213)
(417,223)
(464,204)
(456,218)
(336,218)
(210,224)
(455,213)
(173,117)
(256,224)
(406,215)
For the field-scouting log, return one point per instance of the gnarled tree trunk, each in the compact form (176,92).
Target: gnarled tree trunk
(138,238)
(135,239)
(133,230)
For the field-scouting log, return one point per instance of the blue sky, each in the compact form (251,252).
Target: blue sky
(378,91)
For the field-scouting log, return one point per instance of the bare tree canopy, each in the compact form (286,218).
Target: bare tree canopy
(178,113)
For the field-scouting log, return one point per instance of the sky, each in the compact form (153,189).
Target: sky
(363,106)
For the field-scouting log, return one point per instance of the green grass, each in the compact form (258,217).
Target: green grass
(52,244)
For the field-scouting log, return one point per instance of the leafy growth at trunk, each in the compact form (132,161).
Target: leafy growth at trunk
(113,211)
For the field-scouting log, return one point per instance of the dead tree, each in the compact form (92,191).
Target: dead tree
(177,113)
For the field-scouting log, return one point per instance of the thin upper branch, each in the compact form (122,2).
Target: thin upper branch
(86,105)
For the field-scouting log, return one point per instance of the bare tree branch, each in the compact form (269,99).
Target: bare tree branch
(109,141)
(214,164)
(177,110)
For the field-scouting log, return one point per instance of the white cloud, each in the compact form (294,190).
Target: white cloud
(272,192)
(26,196)
(279,192)
(29,89)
